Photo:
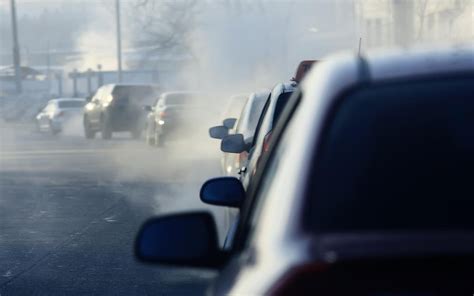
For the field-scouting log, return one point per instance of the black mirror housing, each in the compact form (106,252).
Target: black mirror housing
(223,191)
(188,239)
(147,108)
(229,122)
(233,144)
(218,132)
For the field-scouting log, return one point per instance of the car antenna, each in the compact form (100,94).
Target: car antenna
(360,44)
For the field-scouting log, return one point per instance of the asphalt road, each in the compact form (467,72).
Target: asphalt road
(70,209)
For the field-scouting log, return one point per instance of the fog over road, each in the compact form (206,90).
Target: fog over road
(70,209)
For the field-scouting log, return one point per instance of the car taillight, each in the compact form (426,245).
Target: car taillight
(266,142)
(61,113)
(162,114)
(298,281)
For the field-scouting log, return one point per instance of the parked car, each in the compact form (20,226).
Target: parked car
(232,110)
(245,125)
(251,150)
(174,111)
(117,108)
(303,68)
(367,188)
(57,112)
(270,114)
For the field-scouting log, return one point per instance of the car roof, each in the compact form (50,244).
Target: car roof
(303,68)
(321,88)
(419,62)
(398,64)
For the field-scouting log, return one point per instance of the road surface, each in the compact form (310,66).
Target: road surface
(70,209)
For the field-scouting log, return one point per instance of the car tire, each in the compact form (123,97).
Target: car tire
(150,135)
(88,132)
(53,131)
(106,129)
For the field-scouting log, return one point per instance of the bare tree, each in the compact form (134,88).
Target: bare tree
(456,11)
(403,20)
(451,12)
(164,27)
(421,7)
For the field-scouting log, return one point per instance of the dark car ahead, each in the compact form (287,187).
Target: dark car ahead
(117,108)
(366,190)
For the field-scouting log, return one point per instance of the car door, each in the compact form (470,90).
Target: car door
(245,257)
(244,166)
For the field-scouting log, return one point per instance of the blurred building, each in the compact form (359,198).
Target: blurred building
(407,22)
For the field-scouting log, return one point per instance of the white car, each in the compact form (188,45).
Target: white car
(366,189)
(236,143)
(245,125)
(57,112)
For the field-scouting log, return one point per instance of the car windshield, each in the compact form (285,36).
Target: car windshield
(280,105)
(71,104)
(134,93)
(159,80)
(255,111)
(394,154)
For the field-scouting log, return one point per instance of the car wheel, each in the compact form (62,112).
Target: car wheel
(106,129)
(53,131)
(88,132)
(150,135)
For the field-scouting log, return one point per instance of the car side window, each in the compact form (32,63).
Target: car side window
(260,120)
(266,182)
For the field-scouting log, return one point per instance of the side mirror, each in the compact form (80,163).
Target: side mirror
(218,132)
(147,108)
(229,123)
(188,239)
(89,98)
(233,144)
(223,191)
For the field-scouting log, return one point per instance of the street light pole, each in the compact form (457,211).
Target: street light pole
(119,41)
(16,48)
